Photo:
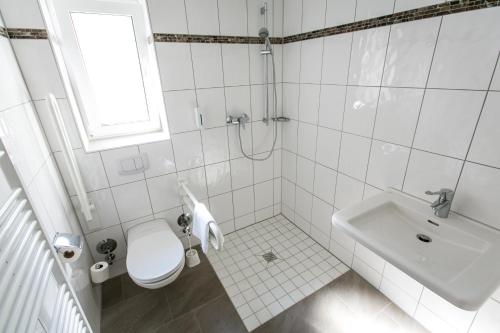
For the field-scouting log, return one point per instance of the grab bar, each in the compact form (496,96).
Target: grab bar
(86,206)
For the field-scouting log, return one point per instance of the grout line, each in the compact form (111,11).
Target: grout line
(477,122)
(421,104)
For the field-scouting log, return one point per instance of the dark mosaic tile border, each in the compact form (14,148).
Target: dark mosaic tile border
(446,8)
(3,32)
(180,38)
(21,33)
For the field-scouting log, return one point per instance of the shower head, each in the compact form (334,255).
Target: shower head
(263,32)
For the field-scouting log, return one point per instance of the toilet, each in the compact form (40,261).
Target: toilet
(155,255)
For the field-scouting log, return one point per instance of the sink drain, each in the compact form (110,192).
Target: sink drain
(424,238)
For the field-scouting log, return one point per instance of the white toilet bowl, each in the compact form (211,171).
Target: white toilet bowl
(155,255)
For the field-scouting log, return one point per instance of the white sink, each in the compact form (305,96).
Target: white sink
(461,263)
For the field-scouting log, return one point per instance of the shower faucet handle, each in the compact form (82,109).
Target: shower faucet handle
(240,120)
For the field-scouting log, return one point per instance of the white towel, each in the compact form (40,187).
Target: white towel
(205,228)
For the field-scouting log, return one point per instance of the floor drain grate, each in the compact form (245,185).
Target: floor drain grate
(269,256)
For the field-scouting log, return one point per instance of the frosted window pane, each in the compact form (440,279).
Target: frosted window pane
(109,51)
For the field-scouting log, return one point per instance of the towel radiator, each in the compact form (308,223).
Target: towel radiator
(34,295)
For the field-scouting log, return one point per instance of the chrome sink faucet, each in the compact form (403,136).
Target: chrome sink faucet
(442,205)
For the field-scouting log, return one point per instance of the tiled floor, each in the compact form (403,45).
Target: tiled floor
(261,289)
(273,294)
(194,303)
(347,305)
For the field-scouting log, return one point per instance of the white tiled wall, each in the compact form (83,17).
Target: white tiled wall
(24,142)
(398,106)
(221,79)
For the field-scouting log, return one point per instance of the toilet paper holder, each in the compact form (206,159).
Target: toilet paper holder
(67,245)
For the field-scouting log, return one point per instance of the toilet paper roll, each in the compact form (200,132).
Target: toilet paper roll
(99,272)
(69,254)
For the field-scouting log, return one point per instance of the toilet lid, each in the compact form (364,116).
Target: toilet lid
(154,251)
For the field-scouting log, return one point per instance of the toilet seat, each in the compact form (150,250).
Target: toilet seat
(155,255)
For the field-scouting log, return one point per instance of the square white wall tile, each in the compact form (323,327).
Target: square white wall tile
(485,148)
(403,281)
(367,56)
(168,16)
(324,183)
(289,166)
(238,100)
(428,171)
(354,154)
(360,110)
(373,8)
(474,42)
(113,165)
(478,192)
(257,64)
(187,150)
(176,68)
(291,100)
(303,205)
(328,147)
(234,141)
(207,63)
(487,320)
(160,156)
(309,103)
(339,12)
(369,258)
(263,170)
(202,17)
(263,137)
(447,121)
(306,143)
(39,67)
(399,297)
(233,17)
(313,15)
(367,272)
(13,89)
(104,214)
(164,192)
(409,56)
(218,178)
(180,107)
(221,207)
(195,180)
(387,165)
(336,54)
(215,145)
(349,191)
(305,173)
(331,106)
(91,169)
(310,59)
(458,318)
(263,195)
(291,61)
(288,193)
(132,200)
(403,5)
(292,17)
(290,135)
(241,173)
(236,64)
(243,200)
(397,115)
(322,216)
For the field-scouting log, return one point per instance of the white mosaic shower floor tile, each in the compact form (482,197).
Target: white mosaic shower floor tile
(269,266)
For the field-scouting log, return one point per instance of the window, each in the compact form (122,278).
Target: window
(105,52)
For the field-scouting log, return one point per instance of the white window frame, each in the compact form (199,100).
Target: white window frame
(57,15)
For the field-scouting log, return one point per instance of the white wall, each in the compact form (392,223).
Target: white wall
(24,141)
(398,106)
(222,79)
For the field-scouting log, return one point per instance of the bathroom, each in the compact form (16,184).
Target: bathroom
(249,166)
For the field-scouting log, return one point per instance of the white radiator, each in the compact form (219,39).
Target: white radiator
(30,277)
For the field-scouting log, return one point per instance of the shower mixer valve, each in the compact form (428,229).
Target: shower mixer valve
(241,120)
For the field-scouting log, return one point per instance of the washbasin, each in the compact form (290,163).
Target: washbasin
(455,257)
